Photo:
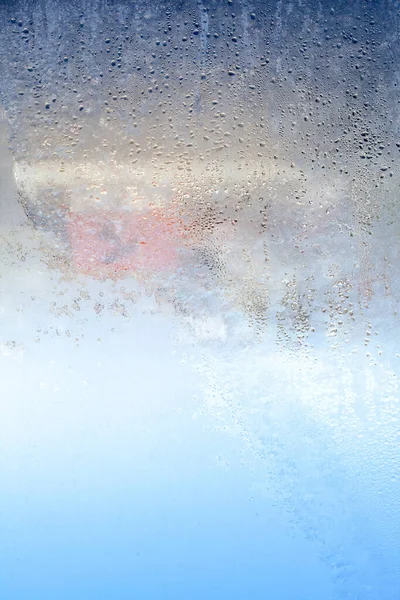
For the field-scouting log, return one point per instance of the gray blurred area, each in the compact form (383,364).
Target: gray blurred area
(275,120)
(11,210)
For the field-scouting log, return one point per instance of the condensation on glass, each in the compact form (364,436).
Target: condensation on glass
(230,167)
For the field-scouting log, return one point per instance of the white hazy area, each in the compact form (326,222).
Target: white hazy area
(142,441)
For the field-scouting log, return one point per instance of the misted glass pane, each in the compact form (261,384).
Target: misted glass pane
(199,300)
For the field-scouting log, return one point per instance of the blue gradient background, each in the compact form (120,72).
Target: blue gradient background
(112,486)
(119,482)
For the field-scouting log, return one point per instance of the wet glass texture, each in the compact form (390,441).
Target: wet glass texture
(199,300)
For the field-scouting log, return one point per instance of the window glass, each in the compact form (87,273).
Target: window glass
(199,299)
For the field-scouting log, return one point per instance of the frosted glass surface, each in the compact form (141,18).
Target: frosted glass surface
(199,300)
